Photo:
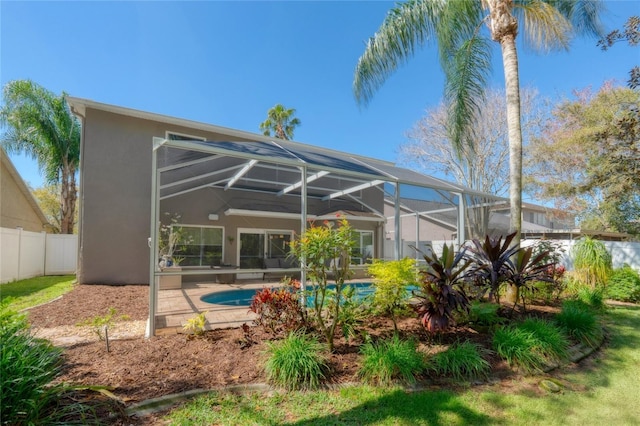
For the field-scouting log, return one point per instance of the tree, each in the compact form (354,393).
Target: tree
(481,165)
(587,159)
(465,57)
(281,122)
(48,197)
(41,125)
(631,33)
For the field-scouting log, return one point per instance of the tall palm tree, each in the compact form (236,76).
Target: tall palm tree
(41,125)
(460,29)
(281,121)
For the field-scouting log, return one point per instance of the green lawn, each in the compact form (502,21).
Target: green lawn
(35,291)
(606,393)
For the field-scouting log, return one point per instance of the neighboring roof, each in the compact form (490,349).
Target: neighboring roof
(28,195)
(268,149)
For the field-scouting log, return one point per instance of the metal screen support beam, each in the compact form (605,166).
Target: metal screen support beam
(303,229)
(462,226)
(153,239)
(417,235)
(398,237)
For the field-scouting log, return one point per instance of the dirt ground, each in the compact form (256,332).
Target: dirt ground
(138,369)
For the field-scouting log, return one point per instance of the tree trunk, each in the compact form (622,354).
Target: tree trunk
(504,29)
(67,199)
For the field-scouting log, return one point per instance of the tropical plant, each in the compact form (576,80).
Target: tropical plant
(484,314)
(624,285)
(390,360)
(465,58)
(591,261)
(441,294)
(353,311)
(28,368)
(100,323)
(277,309)
(490,261)
(325,252)
(40,124)
(196,324)
(462,361)
(296,362)
(591,297)
(552,343)
(171,236)
(391,280)
(48,197)
(525,269)
(579,322)
(281,122)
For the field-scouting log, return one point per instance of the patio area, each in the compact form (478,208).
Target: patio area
(177,306)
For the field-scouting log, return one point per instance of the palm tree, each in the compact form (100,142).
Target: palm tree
(41,125)
(280,120)
(465,57)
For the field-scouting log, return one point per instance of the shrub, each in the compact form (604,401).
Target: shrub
(27,367)
(326,251)
(441,294)
(391,360)
(277,310)
(552,344)
(196,324)
(578,321)
(517,347)
(592,297)
(489,260)
(592,261)
(484,314)
(624,285)
(391,280)
(100,323)
(296,362)
(352,311)
(461,361)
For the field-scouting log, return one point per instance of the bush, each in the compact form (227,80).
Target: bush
(461,361)
(391,360)
(624,285)
(296,362)
(484,314)
(277,310)
(592,261)
(552,343)
(391,280)
(517,347)
(27,368)
(530,345)
(592,297)
(579,322)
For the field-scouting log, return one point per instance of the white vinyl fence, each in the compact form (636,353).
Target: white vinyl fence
(25,254)
(622,252)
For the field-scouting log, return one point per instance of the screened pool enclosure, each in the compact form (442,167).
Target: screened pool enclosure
(242,202)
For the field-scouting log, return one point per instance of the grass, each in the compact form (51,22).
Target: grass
(602,392)
(35,291)
(391,360)
(296,362)
(461,361)
(579,322)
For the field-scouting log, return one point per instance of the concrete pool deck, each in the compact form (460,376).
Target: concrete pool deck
(176,307)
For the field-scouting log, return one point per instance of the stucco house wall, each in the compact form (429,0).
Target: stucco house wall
(115,194)
(18,207)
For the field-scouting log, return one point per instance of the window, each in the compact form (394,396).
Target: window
(362,251)
(200,245)
(174,136)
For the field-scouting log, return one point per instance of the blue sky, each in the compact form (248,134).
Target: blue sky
(227,63)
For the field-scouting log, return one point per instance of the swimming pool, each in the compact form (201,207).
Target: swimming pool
(243,296)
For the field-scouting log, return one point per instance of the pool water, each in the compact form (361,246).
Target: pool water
(243,296)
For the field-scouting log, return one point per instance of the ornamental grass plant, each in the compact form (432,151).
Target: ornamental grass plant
(296,362)
(390,361)
(461,361)
(579,322)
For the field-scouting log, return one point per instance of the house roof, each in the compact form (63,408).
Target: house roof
(22,186)
(266,164)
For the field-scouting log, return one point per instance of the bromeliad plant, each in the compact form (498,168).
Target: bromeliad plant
(325,252)
(441,294)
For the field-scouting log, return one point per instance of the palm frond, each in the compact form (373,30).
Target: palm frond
(406,27)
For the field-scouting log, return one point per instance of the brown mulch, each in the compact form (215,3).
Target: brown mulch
(138,369)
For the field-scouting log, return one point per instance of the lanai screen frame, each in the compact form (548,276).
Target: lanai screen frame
(372,173)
